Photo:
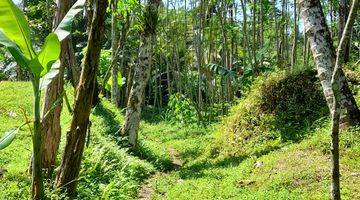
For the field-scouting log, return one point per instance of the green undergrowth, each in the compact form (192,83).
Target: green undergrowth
(162,142)
(295,171)
(275,144)
(108,172)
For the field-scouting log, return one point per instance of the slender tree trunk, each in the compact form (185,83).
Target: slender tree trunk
(115,91)
(198,31)
(168,81)
(305,51)
(50,124)
(118,53)
(343,15)
(336,87)
(124,58)
(37,176)
(286,38)
(141,74)
(331,11)
(70,165)
(74,69)
(277,42)
(254,38)
(245,34)
(293,51)
(261,27)
(324,57)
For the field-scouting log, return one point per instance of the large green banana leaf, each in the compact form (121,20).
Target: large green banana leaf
(15,27)
(8,138)
(14,50)
(49,53)
(64,28)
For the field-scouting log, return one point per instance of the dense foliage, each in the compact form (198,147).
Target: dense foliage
(179,99)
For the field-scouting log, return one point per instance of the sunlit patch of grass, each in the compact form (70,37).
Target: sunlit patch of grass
(295,171)
(108,172)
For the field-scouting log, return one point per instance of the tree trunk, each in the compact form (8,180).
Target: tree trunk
(305,51)
(118,51)
(343,15)
(335,82)
(115,91)
(255,69)
(293,51)
(324,57)
(50,124)
(141,73)
(245,34)
(37,176)
(70,165)
(277,42)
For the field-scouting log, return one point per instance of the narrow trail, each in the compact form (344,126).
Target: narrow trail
(146,190)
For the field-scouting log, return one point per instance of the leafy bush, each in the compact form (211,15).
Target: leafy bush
(104,64)
(181,109)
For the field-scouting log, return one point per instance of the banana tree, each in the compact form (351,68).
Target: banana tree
(42,65)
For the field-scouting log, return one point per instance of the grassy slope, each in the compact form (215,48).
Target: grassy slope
(295,171)
(260,168)
(107,173)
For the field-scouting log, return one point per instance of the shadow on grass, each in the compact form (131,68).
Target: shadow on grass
(196,170)
(161,163)
(112,125)
(151,114)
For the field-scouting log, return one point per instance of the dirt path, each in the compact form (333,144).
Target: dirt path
(146,190)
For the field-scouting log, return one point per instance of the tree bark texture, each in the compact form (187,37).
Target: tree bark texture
(115,90)
(70,165)
(141,73)
(50,124)
(324,56)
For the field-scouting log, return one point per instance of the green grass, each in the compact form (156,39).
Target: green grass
(108,172)
(295,171)
(251,155)
(274,169)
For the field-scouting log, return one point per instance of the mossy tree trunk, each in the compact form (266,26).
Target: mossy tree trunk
(324,56)
(141,73)
(70,165)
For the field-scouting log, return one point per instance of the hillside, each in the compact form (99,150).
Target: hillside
(176,161)
(108,172)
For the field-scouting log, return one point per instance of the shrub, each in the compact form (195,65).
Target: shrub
(277,109)
(181,109)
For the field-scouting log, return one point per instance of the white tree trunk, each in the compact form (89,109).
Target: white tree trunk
(324,56)
(136,98)
(141,73)
(115,96)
